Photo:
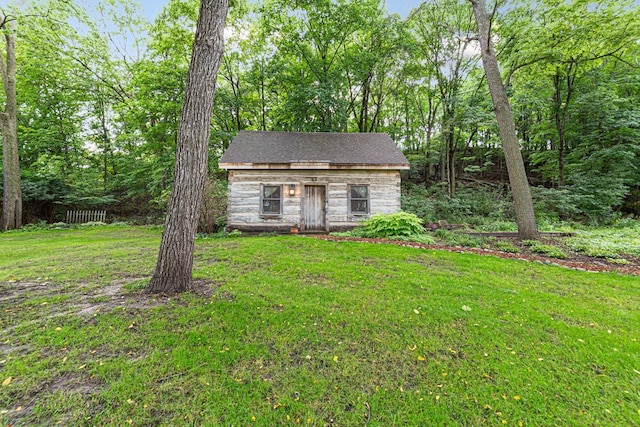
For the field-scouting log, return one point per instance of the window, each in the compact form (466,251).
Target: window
(271,200)
(359,199)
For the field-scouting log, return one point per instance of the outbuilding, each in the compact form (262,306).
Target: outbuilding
(312,182)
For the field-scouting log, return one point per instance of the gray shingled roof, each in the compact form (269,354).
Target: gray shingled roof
(299,147)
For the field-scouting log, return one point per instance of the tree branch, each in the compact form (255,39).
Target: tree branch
(118,90)
(3,70)
(512,71)
(493,14)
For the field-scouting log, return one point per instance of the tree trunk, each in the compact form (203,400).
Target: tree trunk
(263,101)
(448,114)
(561,111)
(12,194)
(175,259)
(443,164)
(523,203)
(451,166)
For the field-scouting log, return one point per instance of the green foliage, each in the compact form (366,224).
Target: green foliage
(554,204)
(504,246)
(416,199)
(400,224)
(608,242)
(42,187)
(591,198)
(593,251)
(459,239)
(475,204)
(544,249)
(497,225)
(234,233)
(598,196)
(213,214)
(99,128)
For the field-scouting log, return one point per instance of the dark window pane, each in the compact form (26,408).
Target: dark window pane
(271,199)
(359,199)
(359,206)
(358,192)
(271,192)
(271,206)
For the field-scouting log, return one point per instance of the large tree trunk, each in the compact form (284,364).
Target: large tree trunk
(12,194)
(175,259)
(513,158)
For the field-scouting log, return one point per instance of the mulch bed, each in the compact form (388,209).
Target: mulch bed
(575,261)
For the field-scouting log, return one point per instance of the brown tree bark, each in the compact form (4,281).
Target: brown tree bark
(12,194)
(523,203)
(175,259)
(561,110)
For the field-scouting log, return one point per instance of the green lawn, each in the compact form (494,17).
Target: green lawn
(309,332)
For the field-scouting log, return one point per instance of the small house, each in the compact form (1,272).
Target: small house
(314,182)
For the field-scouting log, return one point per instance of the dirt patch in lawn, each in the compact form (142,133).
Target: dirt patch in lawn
(30,303)
(28,307)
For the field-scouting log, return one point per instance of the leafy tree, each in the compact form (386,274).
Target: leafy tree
(523,202)
(12,194)
(332,63)
(558,42)
(444,32)
(175,259)
(95,124)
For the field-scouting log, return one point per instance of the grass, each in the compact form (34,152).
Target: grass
(299,331)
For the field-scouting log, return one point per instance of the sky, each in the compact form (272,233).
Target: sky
(151,8)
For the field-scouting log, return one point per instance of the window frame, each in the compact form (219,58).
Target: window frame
(280,199)
(367,199)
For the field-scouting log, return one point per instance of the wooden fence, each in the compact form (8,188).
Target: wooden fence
(79,217)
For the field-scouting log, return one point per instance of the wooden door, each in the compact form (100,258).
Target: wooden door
(314,209)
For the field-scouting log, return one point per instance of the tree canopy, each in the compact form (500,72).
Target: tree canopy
(99,94)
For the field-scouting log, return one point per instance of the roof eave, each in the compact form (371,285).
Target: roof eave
(314,166)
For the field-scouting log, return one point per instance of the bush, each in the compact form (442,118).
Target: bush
(598,195)
(397,226)
(477,204)
(505,246)
(213,216)
(591,198)
(417,200)
(553,205)
(459,239)
(546,250)
(391,225)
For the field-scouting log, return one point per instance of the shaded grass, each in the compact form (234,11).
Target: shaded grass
(303,331)
(99,253)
